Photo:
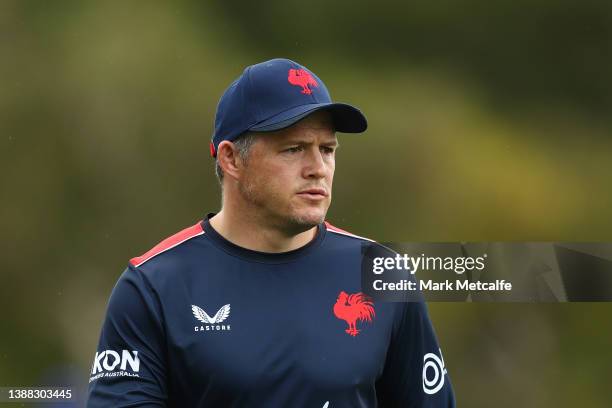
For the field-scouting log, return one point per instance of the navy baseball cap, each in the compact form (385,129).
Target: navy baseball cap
(273,95)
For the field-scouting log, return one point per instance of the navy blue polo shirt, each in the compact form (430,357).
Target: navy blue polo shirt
(200,322)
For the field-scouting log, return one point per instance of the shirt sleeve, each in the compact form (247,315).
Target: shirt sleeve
(415,374)
(129,368)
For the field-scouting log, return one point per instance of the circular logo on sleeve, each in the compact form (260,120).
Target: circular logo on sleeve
(433,373)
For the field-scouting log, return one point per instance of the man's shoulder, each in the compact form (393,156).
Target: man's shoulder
(366,243)
(169,245)
(344,234)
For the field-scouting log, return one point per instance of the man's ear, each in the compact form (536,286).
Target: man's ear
(229,160)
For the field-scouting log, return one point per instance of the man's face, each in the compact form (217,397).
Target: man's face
(289,173)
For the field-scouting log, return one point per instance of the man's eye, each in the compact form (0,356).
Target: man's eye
(294,149)
(328,150)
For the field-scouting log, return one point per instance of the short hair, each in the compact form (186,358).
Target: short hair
(243,144)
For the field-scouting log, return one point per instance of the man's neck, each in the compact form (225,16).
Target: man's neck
(251,233)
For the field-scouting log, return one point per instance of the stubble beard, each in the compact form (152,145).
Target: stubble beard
(266,205)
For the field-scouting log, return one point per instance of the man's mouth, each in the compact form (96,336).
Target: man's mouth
(313,193)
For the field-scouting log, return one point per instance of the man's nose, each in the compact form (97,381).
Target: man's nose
(315,166)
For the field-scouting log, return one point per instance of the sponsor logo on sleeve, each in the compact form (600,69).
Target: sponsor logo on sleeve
(433,373)
(110,363)
(211,323)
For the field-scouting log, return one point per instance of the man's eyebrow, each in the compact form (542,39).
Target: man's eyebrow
(298,140)
(333,143)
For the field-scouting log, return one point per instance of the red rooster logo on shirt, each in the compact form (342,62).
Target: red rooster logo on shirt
(353,308)
(301,77)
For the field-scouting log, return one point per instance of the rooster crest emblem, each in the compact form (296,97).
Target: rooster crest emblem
(301,77)
(353,308)
(202,316)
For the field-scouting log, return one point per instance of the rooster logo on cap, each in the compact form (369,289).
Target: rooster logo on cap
(301,77)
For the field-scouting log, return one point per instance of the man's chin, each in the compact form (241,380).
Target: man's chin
(305,221)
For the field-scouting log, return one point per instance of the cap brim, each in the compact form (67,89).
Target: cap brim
(347,118)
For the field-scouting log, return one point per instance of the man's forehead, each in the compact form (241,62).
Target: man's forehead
(319,121)
(309,132)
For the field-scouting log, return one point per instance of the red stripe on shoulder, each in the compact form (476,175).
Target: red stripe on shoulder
(335,229)
(343,232)
(169,243)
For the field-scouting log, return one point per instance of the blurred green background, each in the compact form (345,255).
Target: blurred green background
(488,121)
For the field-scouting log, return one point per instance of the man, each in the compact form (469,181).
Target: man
(261,305)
